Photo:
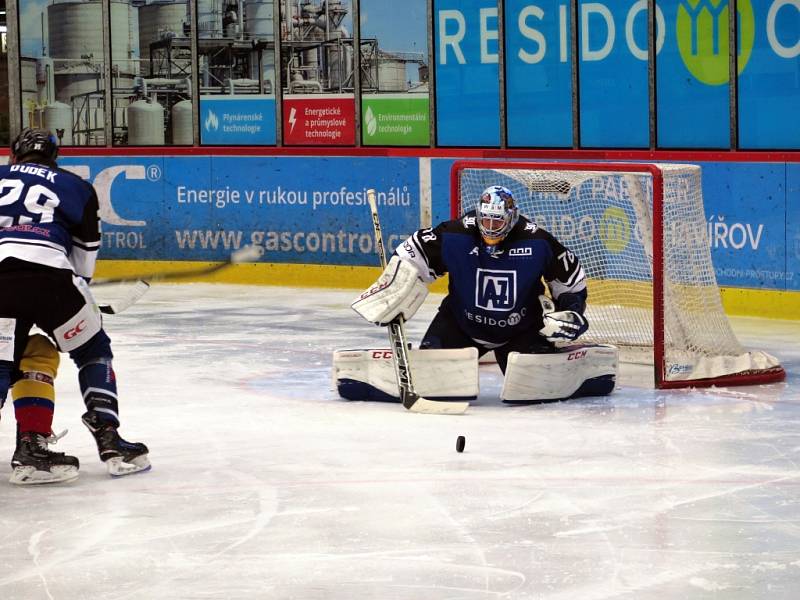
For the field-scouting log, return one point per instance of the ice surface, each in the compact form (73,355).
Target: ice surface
(266,485)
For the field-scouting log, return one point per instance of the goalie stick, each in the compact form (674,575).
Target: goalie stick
(397,338)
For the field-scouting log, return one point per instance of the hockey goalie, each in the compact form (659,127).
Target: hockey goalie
(513,289)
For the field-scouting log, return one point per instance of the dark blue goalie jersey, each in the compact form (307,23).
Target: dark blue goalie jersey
(48,216)
(495,296)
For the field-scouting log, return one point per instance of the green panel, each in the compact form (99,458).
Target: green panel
(395,120)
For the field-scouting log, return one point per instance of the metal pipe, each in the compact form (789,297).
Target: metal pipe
(14,76)
(108,116)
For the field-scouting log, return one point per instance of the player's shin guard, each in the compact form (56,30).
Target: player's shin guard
(99,388)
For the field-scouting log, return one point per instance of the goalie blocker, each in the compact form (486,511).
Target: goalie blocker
(438,374)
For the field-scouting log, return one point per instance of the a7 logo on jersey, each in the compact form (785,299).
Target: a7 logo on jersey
(495,289)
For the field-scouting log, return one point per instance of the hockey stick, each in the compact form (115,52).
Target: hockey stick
(132,297)
(397,338)
(245,254)
(242,255)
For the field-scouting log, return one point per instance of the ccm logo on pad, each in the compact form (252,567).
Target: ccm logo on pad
(71,333)
(576,355)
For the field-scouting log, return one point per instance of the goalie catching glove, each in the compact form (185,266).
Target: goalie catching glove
(563,325)
(398,292)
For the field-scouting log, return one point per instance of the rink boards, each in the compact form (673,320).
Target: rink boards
(310,214)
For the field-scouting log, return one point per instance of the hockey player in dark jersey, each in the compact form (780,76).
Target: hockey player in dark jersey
(49,238)
(500,265)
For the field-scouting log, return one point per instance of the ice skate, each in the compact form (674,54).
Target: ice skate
(33,462)
(121,457)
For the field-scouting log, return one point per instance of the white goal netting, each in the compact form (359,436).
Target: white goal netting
(606,217)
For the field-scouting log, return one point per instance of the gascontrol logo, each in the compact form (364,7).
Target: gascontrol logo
(702,33)
(614,229)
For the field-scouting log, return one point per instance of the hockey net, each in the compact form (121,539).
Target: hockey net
(640,232)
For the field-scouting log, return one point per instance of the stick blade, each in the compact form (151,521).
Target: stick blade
(247,254)
(418,404)
(132,297)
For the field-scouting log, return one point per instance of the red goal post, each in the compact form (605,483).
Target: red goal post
(640,232)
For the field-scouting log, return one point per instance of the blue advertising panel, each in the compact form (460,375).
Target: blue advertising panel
(745,207)
(793,227)
(692,70)
(237,120)
(467,89)
(204,208)
(769,86)
(538,74)
(613,75)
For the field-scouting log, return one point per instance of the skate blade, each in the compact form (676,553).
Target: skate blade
(118,468)
(30,476)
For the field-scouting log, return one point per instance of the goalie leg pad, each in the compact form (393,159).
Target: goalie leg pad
(574,371)
(438,374)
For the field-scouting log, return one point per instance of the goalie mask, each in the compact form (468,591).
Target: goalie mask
(497,214)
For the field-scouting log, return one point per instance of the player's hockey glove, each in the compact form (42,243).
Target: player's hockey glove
(563,325)
(398,292)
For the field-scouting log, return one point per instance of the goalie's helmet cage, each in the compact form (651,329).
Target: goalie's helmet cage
(641,235)
(497,214)
(35,142)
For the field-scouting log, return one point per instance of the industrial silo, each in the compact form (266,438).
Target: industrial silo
(75,42)
(209,18)
(182,123)
(391,74)
(57,117)
(258,19)
(145,123)
(157,20)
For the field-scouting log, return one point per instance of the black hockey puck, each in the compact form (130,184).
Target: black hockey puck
(460,443)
